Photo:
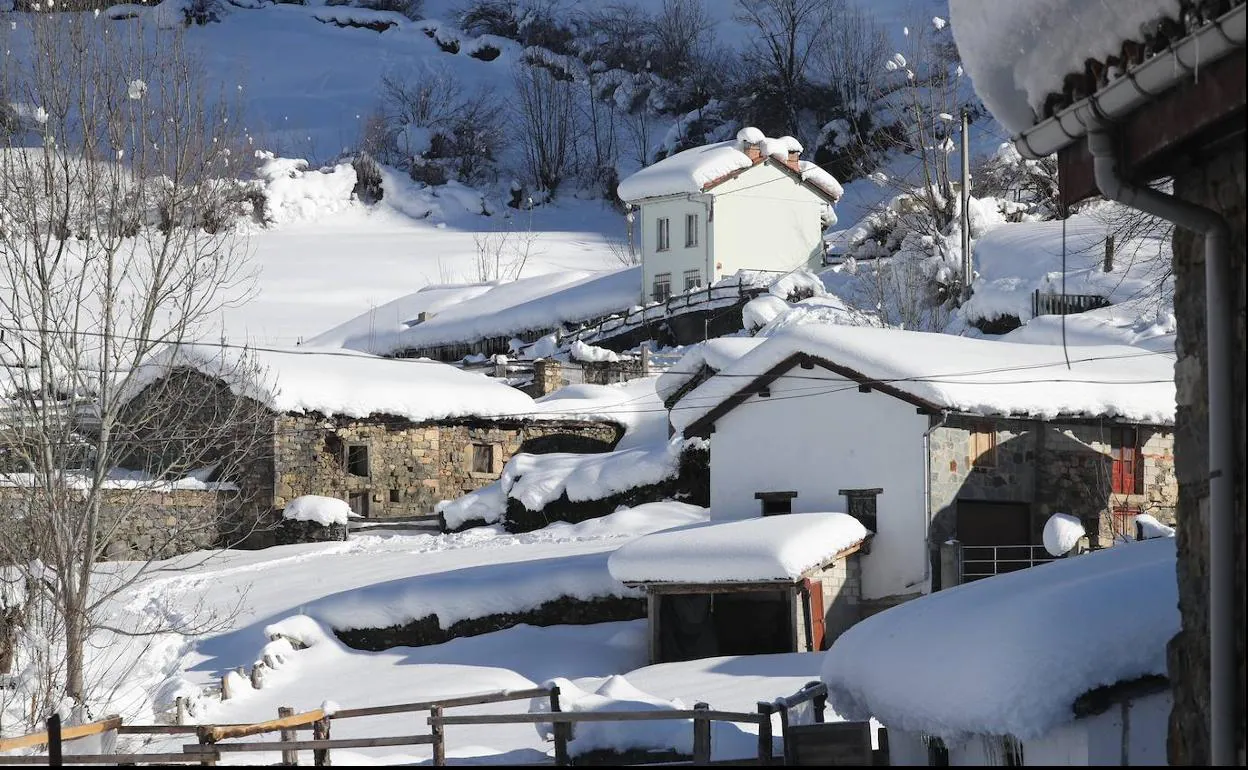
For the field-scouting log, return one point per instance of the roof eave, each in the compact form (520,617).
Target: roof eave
(1140,84)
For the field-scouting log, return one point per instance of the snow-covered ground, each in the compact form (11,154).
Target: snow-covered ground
(238,599)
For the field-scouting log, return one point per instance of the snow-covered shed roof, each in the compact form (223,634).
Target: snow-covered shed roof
(763,549)
(1010,655)
(345,383)
(944,372)
(466,313)
(712,355)
(699,169)
(1018,52)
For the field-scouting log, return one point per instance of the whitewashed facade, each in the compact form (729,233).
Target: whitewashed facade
(817,454)
(700,219)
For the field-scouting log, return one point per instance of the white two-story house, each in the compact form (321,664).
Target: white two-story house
(747,204)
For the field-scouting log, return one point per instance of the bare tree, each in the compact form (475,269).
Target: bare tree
(787,33)
(546,111)
(113,249)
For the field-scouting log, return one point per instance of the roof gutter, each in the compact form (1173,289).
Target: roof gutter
(1219,323)
(1140,84)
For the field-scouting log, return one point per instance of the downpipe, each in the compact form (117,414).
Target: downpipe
(1219,320)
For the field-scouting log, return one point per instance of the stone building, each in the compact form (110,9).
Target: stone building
(1159,93)
(929,437)
(392,437)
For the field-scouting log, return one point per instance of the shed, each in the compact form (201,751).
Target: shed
(779,584)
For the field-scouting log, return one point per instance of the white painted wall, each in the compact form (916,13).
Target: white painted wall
(679,258)
(815,435)
(766,220)
(763,219)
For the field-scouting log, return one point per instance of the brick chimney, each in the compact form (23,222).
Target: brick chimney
(751,140)
(794,151)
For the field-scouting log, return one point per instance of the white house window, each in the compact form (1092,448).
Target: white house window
(691,230)
(662,287)
(665,234)
(693,279)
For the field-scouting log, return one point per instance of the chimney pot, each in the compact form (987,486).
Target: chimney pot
(793,162)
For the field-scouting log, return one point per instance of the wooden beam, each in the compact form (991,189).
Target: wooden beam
(601,716)
(315,745)
(465,700)
(109,759)
(67,734)
(214,733)
(716,588)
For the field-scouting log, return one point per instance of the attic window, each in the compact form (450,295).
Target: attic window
(861,504)
(776,503)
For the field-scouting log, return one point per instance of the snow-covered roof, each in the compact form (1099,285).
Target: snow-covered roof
(346,383)
(772,548)
(465,313)
(1009,655)
(1018,52)
(700,168)
(713,354)
(962,374)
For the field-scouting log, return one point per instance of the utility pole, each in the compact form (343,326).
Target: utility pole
(967,271)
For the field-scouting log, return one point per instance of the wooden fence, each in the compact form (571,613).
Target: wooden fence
(211,741)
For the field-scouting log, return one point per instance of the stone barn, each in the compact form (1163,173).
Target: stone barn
(746,587)
(392,437)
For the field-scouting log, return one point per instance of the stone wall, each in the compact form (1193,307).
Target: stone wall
(842,591)
(1215,181)
(410,467)
(1053,467)
(566,610)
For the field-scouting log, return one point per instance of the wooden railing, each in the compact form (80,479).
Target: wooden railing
(212,741)
(562,722)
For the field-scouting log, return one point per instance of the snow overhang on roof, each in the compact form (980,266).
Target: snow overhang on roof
(948,373)
(344,383)
(700,169)
(757,550)
(1018,54)
(953,663)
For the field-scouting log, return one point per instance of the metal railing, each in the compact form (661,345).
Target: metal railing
(1045,303)
(981,561)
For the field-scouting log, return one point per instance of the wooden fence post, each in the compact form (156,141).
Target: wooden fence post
(562,732)
(439,736)
(701,736)
(208,760)
(820,702)
(180,715)
(764,733)
(320,732)
(54,741)
(288,757)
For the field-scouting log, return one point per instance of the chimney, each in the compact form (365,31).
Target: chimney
(751,140)
(794,149)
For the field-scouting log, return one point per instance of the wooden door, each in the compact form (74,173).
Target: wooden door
(814,606)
